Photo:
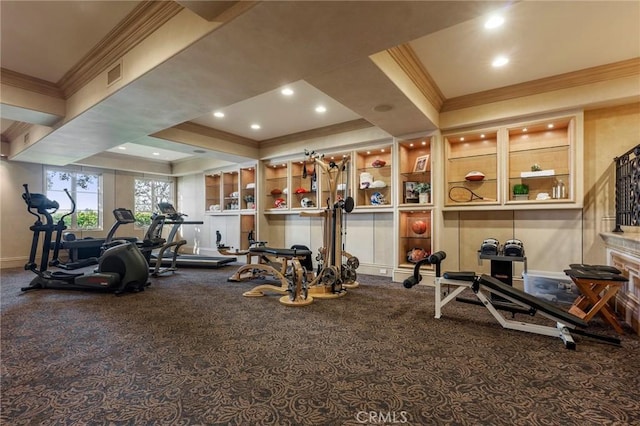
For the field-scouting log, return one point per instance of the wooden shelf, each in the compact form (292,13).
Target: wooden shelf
(504,154)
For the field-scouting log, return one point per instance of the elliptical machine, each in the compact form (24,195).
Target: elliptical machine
(121,268)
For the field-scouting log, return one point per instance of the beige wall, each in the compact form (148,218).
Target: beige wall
(555,238)
(15,236)
(608,132)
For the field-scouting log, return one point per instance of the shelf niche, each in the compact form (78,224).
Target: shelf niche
(414,156)
(545,146)
(472,152)
(372,166)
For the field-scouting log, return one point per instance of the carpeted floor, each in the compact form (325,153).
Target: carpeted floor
(190,350)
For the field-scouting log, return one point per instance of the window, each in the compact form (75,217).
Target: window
(86,191)
(148,193)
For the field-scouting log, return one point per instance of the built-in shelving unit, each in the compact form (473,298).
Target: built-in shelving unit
(415,237)
(471,153)
(230,190)
(540,159)
(304,194)
(276,182)
(212,191)
(534,156)
(414,162)
(374,178)
(231,204)
(248,188)
(344,185)
(517,166)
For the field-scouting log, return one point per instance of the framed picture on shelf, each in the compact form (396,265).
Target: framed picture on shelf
(410,194)
(421,164)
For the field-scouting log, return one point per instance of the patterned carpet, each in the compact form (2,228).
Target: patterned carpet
(190,350)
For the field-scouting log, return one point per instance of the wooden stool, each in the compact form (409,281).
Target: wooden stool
(597,287)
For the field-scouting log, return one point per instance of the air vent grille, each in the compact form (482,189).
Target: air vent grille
(114,74)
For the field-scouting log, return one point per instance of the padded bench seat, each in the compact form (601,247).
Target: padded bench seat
(530,300)
(282,252)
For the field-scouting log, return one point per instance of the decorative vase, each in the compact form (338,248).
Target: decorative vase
(423,197)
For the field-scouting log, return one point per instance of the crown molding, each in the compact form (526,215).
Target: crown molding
(622,69)
(347,126)
(146,18)
(16,129)
(215,133)
(408,61)
(32,84)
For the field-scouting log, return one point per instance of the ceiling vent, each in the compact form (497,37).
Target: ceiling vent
(27,139)
(114,74)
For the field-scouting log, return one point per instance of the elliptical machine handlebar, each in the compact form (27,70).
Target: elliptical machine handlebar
(44,206)
(41,204)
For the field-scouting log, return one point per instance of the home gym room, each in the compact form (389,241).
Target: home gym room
(381,165)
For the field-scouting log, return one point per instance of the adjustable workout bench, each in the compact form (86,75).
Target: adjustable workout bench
(521,301)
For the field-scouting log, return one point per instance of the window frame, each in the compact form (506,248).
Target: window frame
(63,200)
(155,198)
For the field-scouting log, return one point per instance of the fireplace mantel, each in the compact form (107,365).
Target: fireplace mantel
(623,252)
(627,242)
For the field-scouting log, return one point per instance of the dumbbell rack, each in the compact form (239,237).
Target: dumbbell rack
(502,267)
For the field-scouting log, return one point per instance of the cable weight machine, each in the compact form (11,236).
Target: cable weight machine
(336,267)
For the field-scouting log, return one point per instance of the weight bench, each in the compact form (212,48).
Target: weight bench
(597,286)
(522,302)
(282,265)
(565,322)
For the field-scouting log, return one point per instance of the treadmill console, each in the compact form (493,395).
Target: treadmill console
(167,208)
(124,216)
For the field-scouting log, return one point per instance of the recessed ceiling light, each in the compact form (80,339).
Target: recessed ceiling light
(411,145)
(500,61)
(424,143)
(550,126)
(482,136)
(494,21)
(156,153)
(122,148)
(218,114)
(321,109)
(255,126)
(525,130)
(287,91)
(461,139)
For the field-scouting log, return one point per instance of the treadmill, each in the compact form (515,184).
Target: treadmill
(87,251)
(176,220)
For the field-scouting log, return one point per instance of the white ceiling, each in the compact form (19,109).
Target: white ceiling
(44,39)
(320,49)
(541,38)
(279,114)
